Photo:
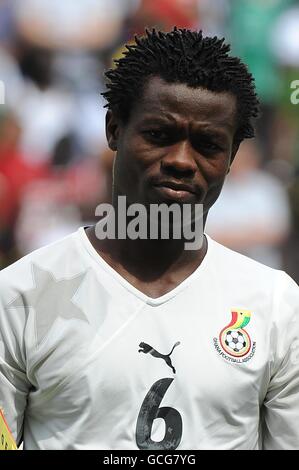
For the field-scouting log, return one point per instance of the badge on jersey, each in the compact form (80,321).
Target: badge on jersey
(234,343)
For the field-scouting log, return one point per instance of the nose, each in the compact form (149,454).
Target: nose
(179,160)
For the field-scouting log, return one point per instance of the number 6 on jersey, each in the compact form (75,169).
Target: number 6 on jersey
(149,411)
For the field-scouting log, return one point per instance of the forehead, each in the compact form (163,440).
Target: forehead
(179,102)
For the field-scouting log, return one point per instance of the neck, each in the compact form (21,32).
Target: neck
(151,257)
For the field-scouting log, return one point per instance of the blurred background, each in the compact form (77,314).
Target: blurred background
(54,163)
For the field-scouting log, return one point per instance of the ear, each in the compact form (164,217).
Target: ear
(235,149)
(112,130)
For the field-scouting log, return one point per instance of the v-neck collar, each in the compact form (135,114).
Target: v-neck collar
(127,285)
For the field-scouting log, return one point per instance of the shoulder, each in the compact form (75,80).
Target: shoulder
(19,275)
(242,270)
(273,292)
(231,259)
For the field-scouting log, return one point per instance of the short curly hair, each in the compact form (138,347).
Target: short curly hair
(182,56)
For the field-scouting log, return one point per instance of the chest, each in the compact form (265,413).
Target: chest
(127,356)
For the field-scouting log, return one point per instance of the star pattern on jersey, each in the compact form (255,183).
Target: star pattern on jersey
(50,298)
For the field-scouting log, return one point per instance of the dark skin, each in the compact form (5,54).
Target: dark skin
(174,134)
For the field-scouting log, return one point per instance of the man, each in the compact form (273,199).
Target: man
(142,344)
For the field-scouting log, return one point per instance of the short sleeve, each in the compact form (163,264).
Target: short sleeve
(14,385)
(280,411)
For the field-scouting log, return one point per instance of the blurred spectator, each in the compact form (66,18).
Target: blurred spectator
(250,25)
(15,171)
(214,16)
(7,23)
(250,29)
(15,175)
(62,47)
(51,111)
(69,24)
(285,37)
(10,75)
(285,43)
(57,204)
(164,14)
(46,115)
(252,213)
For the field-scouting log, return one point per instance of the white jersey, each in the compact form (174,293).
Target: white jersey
(87,361)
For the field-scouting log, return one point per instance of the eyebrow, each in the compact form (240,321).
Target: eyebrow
(168,119)
(164,118)
(212,133)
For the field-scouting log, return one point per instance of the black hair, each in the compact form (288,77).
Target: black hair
(182,56)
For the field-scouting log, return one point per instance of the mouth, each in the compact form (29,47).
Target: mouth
(175,191)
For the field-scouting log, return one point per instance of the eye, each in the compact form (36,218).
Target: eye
(157,135)
(210,146)
(207,147)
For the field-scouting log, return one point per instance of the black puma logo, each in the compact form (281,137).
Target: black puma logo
(146,348)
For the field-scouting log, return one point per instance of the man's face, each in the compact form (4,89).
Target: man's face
(177,145)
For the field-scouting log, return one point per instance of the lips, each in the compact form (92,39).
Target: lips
(175,191)
(176,186)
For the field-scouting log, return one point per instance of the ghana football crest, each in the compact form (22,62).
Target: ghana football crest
(234,342)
